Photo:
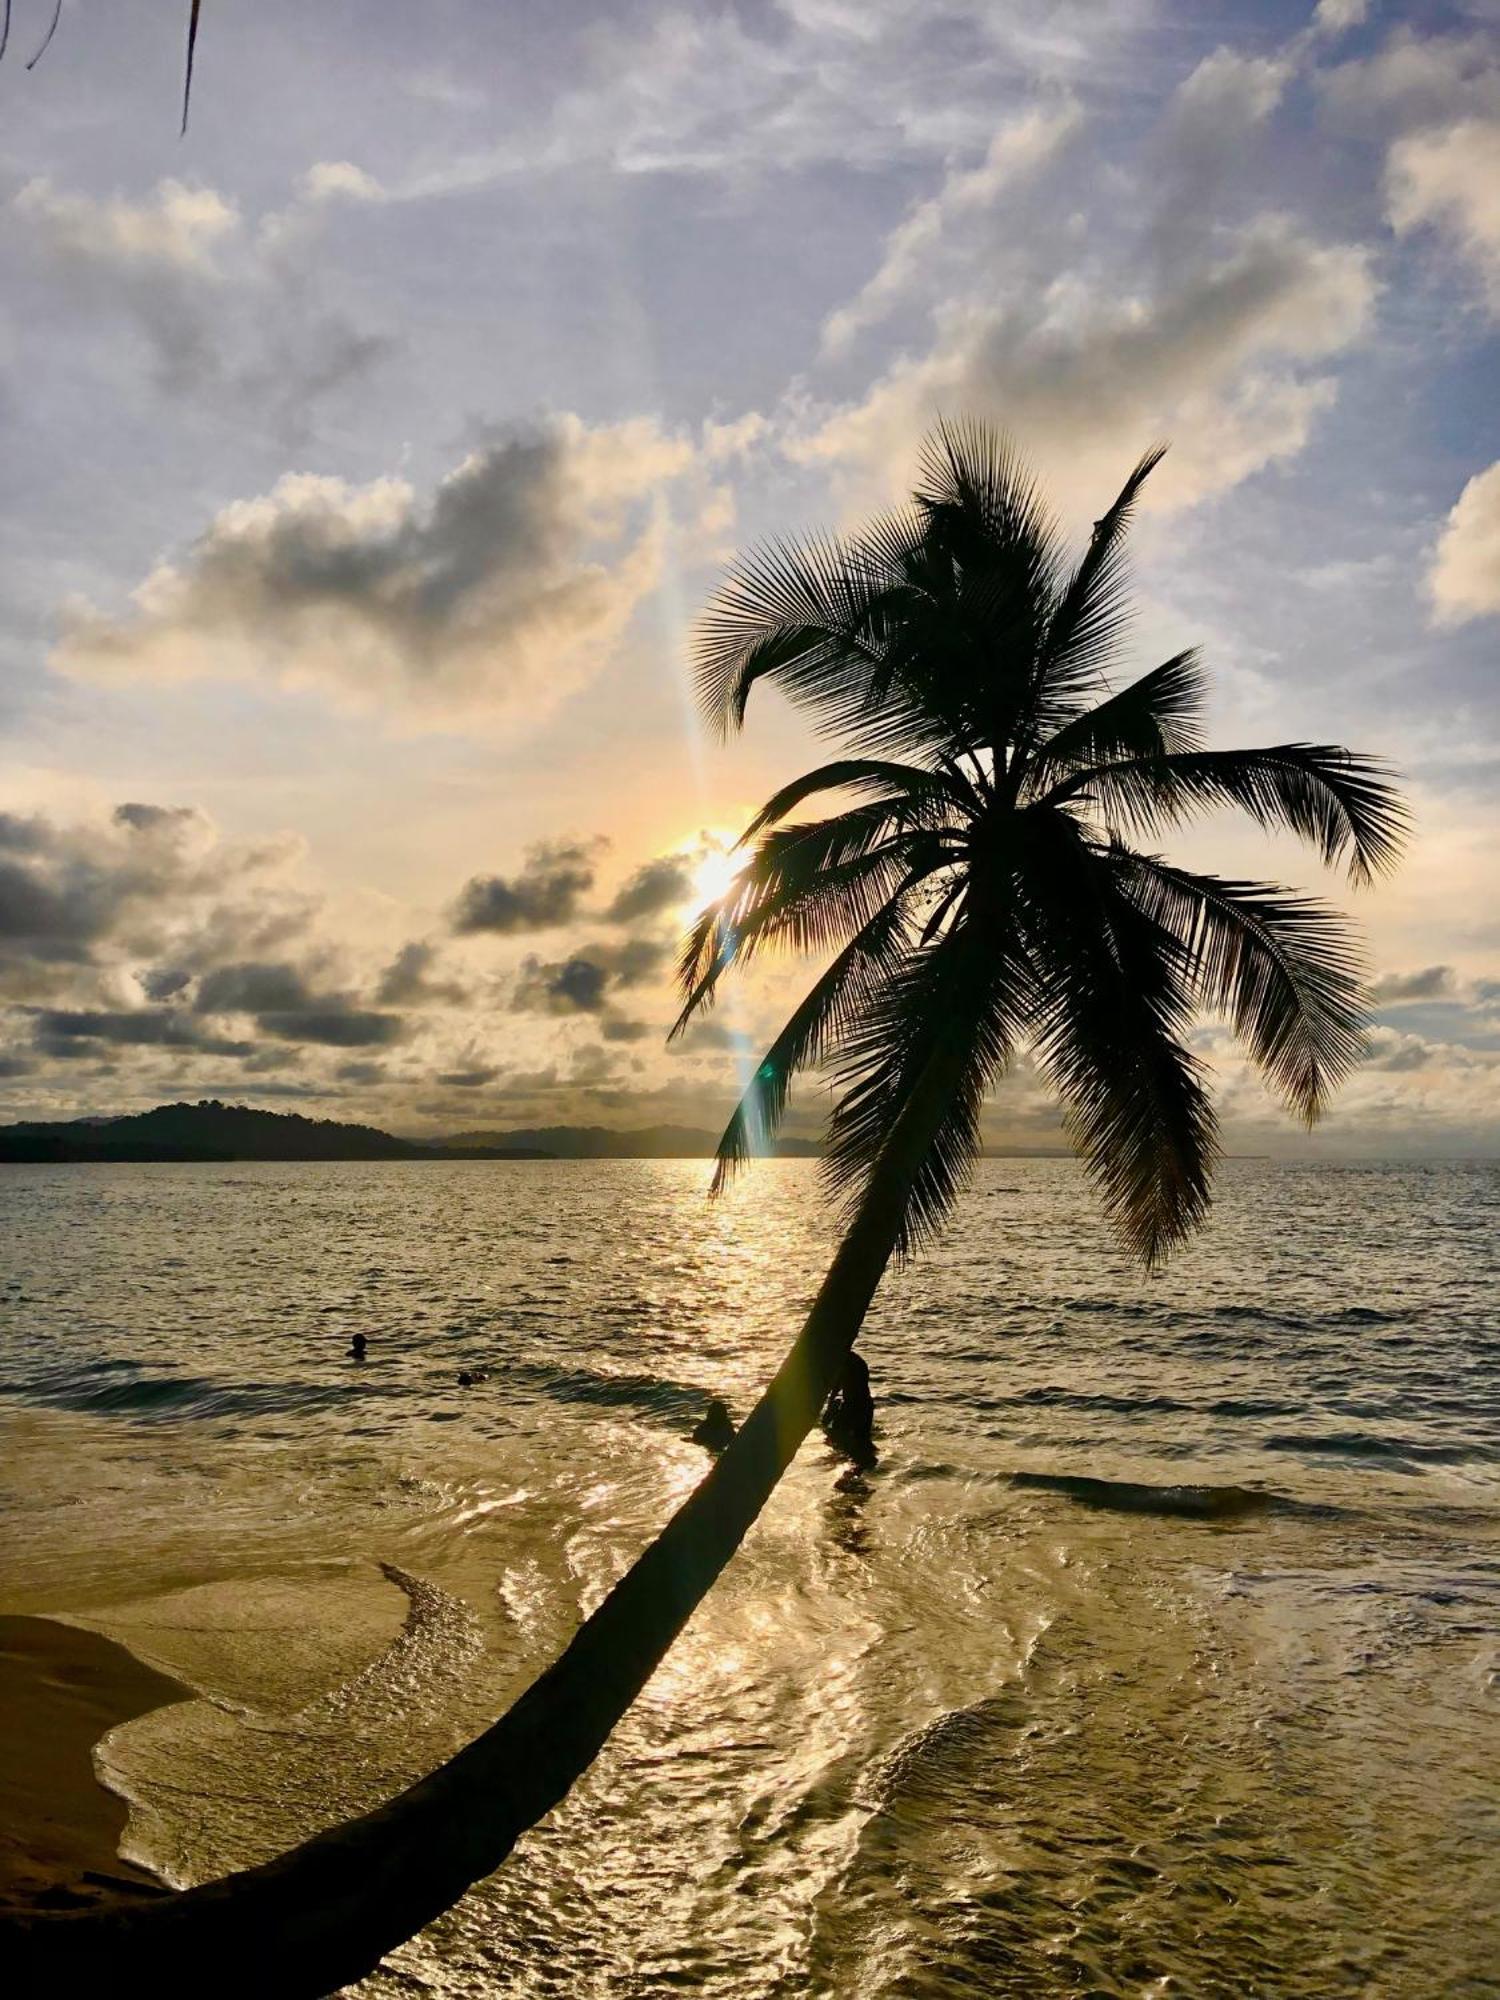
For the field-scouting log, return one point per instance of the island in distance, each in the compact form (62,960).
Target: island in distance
(212,1130)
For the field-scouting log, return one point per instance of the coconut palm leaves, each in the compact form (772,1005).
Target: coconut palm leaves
(987,872)
(194,9)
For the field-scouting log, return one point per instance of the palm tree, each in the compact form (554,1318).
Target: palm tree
(981,897)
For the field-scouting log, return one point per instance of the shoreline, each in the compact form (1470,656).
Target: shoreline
(62,1690)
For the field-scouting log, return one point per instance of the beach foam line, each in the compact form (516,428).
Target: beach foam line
(63,1689)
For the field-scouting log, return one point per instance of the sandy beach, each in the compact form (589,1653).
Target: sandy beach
(61,1691)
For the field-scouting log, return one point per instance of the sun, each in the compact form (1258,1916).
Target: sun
(713,872)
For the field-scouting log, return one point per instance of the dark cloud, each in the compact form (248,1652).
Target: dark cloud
(332,1026)
(547,891)
(620,1028)
(406,981)
(288,1009)
(146,1027)
(632,961)
(152,882)
(152,819)
(469,1079)
(1431,982)
(251,988)
(360,1072)
(15,1066)
(659,885)
(488,593)
(164,982)
(565,986)
(55,917)
(22,836)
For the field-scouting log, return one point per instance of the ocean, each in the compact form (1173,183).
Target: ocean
(1159,1654)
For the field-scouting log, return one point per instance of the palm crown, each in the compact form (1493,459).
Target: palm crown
(987,880)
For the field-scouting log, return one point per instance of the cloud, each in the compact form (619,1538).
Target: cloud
(152,883)
(1212,352)
(620,1028)
(176,228)
(742,93)
(237,317)
(547,891)
(1464,579)
(656,886)
(333,1026)
(578,984)
(288,1009)
(565,986)
(469,1079)
(1337,17)
(146,1027)
(1449,180)
(1431,982)
(501,591)
(360,1072)
(1388,1049)
(406,981)
(1416,80)
(1019,149)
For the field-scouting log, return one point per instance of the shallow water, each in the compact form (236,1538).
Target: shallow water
(1204,1702)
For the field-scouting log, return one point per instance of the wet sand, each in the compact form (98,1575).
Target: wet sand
(61,1691)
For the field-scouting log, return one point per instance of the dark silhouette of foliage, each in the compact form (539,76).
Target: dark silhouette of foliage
(984,871)
(52,25)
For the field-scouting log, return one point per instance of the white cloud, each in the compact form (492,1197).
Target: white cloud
(236,316)
(501,591)
(175,226)
(1465,576)
(1449,179)
(1228,91)
(1089,370)
(1019,149)
(1337,17)
(339,180)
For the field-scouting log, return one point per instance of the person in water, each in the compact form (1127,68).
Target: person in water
(849,1413)
(357,1347)
(717,1428)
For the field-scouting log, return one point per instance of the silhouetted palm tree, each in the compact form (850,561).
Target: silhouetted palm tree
(987,893)
(981,900)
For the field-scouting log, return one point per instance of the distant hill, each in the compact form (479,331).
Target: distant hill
(210,1130)
(601,1142)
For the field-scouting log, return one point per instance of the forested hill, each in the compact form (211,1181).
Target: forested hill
(211,1130)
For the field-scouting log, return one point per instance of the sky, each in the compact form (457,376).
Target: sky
(371,448)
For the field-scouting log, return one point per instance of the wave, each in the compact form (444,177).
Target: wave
(103,1389)
(1127,1496)
(1364,1444)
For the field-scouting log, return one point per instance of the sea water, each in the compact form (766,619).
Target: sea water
(1159,1653)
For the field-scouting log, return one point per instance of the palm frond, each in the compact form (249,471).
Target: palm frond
(187,76)
(807,888)
(1093,607)
(1113,1000)
(1345,806)
(956,991)
(796,612)
(813,1032)
(924,794)
(1156,716)
(1284,969)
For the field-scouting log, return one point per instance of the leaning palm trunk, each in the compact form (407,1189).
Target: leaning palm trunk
(327,1912)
